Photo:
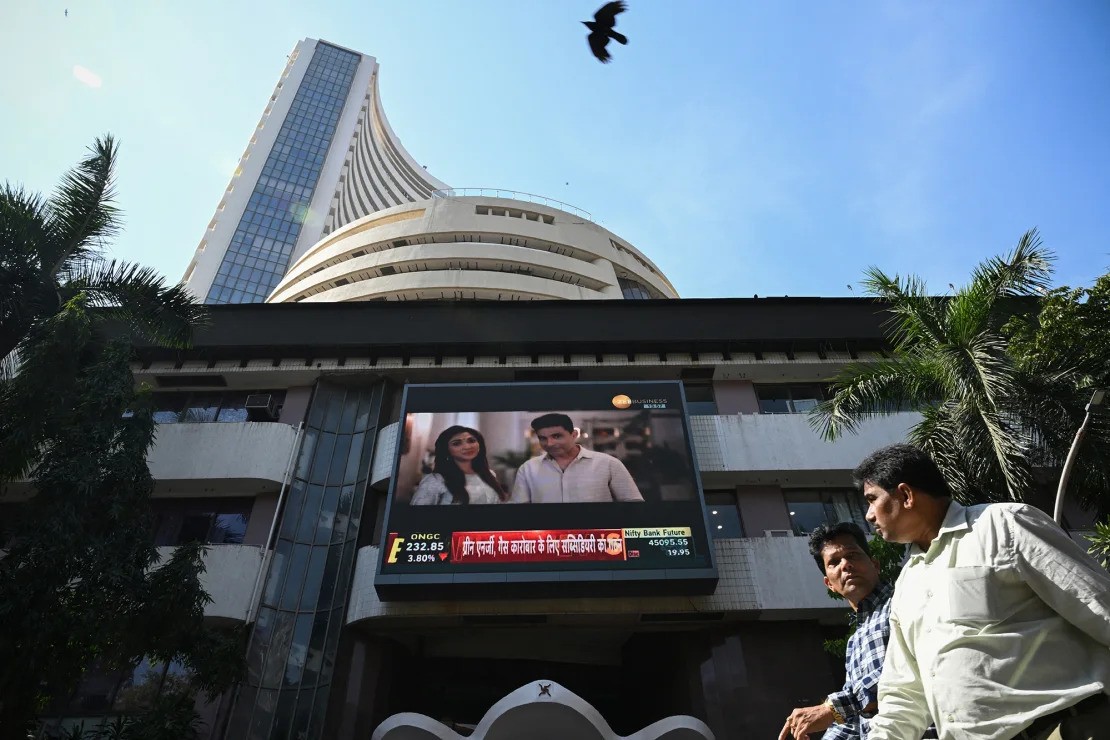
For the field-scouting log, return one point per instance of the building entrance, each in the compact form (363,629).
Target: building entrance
(629,681)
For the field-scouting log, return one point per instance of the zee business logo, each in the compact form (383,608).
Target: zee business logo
(623,402)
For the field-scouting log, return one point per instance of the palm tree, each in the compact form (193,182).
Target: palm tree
(52,249)
(950,363)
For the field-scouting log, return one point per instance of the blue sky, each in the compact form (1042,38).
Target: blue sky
(771,148)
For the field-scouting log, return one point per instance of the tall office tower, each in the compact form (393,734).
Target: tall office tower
(323,155)
(327,206)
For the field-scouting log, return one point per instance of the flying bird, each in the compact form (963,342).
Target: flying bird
(601,30)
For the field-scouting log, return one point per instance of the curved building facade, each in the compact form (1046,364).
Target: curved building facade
(472,247)
(378,172)
(327,205)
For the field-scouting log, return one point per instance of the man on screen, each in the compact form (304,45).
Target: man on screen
(567,473)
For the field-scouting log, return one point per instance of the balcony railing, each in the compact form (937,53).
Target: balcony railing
(222,455)
(512,195)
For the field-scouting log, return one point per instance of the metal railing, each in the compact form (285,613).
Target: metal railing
(513,195)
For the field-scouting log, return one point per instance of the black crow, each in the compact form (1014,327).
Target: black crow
(601,30)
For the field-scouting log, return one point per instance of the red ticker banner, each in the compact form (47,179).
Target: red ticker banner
(538,546)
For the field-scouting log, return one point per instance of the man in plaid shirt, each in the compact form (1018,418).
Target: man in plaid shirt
(841,553)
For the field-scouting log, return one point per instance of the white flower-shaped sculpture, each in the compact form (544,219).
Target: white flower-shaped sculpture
(541,710)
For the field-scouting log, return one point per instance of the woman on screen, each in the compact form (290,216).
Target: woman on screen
(461,472)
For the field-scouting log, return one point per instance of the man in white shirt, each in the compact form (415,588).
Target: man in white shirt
(1000,623)
(568,473)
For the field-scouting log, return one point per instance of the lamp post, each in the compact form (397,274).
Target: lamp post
(1096,400)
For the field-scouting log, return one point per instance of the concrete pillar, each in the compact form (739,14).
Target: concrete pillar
(762,508)
(735,397)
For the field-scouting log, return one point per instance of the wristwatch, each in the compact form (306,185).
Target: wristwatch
(838,718)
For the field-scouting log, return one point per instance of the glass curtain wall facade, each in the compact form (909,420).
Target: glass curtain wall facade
(291,655)
(259,252)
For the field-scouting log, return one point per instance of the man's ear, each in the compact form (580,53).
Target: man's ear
(907,494)
(576,433)
(828,583)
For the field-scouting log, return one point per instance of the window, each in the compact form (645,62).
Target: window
(210,521)
(810,508)
(700,400)
(101,691)
(140,686)
(201,407)
(724,515)
(789,399)
(633,289)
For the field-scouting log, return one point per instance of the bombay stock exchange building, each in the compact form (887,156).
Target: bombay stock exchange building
(281,429)
(279,432)
(327,205)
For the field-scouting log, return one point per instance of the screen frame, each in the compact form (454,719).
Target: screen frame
(548,583)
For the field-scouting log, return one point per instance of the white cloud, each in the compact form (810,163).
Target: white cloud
(86,76)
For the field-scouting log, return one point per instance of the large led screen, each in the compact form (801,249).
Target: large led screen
(544,489)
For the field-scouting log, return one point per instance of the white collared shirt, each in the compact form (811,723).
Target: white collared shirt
(591,476)
(1002,620)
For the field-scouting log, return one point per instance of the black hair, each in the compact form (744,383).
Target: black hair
(453,477)
(553,420)
(902,463)
(825,533)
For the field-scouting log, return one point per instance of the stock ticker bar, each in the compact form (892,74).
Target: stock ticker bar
(636,547)
(544,546)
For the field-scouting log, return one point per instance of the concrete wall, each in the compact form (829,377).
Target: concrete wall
(735,397)
(295,408)
(385,449)
(761,508)
(229,576)
(220,458)
(770,448)
(262,517)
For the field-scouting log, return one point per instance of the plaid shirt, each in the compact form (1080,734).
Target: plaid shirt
(863,663)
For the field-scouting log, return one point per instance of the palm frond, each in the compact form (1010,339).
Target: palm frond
(938,436)
(1026,271)
(874,389)
(980,372)
(915,316)
(82,210)
(1008,442)
(982,455)
(139,297)
(24,292)
(23,217)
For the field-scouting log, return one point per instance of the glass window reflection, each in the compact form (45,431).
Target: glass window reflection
(809,509)
(724,514)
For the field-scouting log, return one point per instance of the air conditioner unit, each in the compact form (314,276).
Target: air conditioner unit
(261,407)
(778,533)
